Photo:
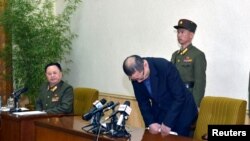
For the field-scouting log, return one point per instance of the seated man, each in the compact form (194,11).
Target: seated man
(56,96)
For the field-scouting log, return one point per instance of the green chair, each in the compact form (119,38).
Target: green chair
(219,110)
(83,99)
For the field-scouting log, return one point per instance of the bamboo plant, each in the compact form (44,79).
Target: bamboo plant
(35,36)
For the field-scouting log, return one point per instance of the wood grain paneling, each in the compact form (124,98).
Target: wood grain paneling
(5,85)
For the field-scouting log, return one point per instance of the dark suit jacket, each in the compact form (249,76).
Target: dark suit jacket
(171,103)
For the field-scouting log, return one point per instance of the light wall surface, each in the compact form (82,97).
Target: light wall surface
(110,30)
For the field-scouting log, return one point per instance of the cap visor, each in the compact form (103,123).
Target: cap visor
(177,27)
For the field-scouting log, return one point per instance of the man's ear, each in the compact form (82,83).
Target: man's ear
(191,35)
(145,64)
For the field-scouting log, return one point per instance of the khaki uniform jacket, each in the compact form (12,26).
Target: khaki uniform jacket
(56,100)
(191,64)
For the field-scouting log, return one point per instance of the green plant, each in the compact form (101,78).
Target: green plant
(35,37)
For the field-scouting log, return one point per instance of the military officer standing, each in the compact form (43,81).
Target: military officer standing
(190,61)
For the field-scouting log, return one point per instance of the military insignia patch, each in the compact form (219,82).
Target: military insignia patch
(52,89)
(187,59)
(55,98)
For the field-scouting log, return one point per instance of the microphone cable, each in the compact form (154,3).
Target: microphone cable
(98,133)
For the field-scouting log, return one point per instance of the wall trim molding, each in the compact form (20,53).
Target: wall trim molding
(117,96)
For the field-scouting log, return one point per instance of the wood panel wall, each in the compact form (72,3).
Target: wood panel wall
(5,85)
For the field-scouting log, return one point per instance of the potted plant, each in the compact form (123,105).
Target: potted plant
(35,36)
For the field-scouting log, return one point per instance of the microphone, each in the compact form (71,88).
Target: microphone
(111,107)
(89,115)
(109,104)
(97,114)
(19,92)
(96,105)
(112,115)
(118,129)
(16,95)
(121,108)
(125,111)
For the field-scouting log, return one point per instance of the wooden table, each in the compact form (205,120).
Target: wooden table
(70,129)
(19,128)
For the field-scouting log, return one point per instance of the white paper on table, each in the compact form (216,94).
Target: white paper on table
(30,113)
(6,109)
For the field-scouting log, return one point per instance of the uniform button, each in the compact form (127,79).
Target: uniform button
(46,105)
(178,60)
(48,96)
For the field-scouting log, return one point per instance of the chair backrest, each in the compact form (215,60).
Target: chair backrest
(83,99)
(219,110)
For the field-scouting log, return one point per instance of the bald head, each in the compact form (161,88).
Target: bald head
(132,64)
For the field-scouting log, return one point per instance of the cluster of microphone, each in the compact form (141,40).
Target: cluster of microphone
(114,124)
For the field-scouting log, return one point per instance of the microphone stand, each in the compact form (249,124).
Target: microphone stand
(96,123)
(16,105)
(16,96)
(121,130)
(112,123)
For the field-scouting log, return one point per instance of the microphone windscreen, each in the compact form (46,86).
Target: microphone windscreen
(103,101)
(109,104)
(127,103)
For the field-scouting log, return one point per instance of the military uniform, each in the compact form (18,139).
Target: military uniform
(191,64)
(56,100)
